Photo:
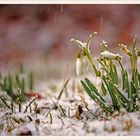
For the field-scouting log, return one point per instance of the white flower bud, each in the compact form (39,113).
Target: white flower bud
(78,66)
(95,33)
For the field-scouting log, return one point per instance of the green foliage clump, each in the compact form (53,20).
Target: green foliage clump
(123,89)
(15,86)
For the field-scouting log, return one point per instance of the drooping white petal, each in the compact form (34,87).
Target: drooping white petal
(78,66)
(78,42)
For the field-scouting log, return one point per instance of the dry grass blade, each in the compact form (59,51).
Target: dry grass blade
(30,104)
(64,86)
(3,99)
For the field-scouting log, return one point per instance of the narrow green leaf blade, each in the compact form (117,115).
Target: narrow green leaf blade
(104,106)
(112,93)
(93,88)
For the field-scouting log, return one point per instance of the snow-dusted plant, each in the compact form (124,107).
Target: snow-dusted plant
(15,86)
(124,90)
(85,47)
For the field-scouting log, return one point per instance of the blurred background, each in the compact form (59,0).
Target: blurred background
(38,35)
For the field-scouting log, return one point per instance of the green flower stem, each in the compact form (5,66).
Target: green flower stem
(87,53)
(120,65)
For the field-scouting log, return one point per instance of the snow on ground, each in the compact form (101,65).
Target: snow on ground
(68,116)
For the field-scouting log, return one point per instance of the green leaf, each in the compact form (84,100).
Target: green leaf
(135,76)
(20,83)
(112,93)
(130,105)
(21,68)
(31,80)
(116,74)
(18,80)
(134,91)
(120,95)
(113,73)
(103,89)
(124,76)
(96,98)
(10,81)
(88,90)
(93,88)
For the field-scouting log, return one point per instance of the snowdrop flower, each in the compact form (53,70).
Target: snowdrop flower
(78,65)
(109,55)
(84,45)
(81,64)
(81,44)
